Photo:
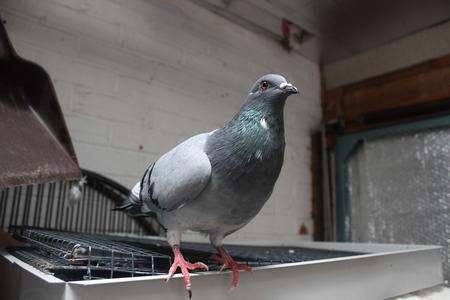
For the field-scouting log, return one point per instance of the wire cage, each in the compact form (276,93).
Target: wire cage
(69,255)
(76,256)
(49,206)
(71,238)
(86,239)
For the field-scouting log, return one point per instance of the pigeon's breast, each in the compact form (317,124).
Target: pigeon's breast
(245,165)
(231,199)
(235,196)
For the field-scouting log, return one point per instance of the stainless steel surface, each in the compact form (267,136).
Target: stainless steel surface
(385,271)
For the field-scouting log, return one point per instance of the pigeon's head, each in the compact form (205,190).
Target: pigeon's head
(271,88)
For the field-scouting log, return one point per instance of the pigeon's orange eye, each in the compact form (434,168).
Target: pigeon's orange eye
(263,85)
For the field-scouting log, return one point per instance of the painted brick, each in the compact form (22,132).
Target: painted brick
(172,123)
(169,98)
(108,107)
(136,138)
(78,22)
(151,48)
(261,224)
(99,53)
(77,72)
(285,225)
(40,35)
(103,9)
(88,129)
(113,161)
(24,7)
(64,93)
(190,82)
(24,50)
(166,98)
(127,181)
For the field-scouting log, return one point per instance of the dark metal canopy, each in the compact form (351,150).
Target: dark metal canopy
(35,145)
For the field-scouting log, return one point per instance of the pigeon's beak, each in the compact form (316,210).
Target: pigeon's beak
(288,88)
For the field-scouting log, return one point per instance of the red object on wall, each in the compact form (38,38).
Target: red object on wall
(286,33)
(286,28)
(303,230)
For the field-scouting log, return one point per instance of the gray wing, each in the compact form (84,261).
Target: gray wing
(178,177)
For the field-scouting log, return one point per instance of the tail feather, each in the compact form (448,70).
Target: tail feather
(134,206)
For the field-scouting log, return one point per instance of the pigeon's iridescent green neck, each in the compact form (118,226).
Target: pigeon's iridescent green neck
(256,131)
(251,145)
(259,117)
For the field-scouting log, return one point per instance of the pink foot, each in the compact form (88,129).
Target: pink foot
(185,267)
(227,262)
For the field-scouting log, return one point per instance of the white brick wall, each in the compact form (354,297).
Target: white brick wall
(413,49)
(151,74)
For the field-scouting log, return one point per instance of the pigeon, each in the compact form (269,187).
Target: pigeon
(215,183)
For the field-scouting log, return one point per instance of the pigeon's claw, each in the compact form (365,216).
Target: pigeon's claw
(185,266)
(228,262)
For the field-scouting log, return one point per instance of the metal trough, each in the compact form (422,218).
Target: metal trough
(35,145)
(374,272)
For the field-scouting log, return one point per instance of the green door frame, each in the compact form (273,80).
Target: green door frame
(347,143)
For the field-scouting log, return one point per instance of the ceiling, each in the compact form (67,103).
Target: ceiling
(340,28)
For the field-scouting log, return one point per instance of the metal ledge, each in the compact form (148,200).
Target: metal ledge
(385,271)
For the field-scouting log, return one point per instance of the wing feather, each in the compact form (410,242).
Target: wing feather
(178,177)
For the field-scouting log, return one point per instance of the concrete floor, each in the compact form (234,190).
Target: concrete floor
(435,293)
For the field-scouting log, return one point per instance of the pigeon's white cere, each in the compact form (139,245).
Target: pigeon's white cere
(258,154)
(263,123)
(284,84)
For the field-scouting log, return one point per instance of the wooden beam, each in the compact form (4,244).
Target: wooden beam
(426,84)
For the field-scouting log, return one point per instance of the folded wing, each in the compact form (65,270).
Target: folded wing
(178,177)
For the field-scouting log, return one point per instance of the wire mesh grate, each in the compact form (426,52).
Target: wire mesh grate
(76,256)
(252,255)
(55,251)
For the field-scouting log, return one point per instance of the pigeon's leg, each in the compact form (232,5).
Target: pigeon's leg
(180,262)
(228,262)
